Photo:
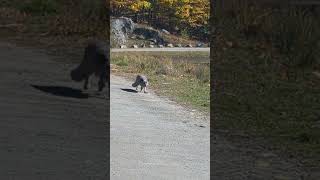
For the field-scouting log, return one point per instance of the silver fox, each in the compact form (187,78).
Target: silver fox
(142,81)
(95,61)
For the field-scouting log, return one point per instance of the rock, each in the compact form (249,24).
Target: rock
(141,37)
(189,45)
(149,33)
(120,29)
(153,40)
(143,45)
(150,28)
(123,46)
(178,45)
(151,46)
(170,45)
(165,31)
(160,46)
(135,46)
(199,45)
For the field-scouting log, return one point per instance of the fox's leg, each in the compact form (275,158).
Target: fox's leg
(86,83)
(103,76)
(102,81)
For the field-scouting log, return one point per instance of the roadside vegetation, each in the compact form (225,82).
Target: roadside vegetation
(266,76)
(185,81)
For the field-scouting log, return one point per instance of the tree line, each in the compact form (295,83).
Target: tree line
(185,17)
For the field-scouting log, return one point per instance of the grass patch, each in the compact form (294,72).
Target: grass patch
(184,81)
(256,98)
(193,57)
(122,62)
(264,77)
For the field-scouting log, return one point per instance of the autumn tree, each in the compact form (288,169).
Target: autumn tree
(170,14)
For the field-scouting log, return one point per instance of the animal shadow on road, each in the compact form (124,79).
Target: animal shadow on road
(129,90)
(62,91)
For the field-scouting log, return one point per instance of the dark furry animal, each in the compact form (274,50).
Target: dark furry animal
(95,61)
(142,81)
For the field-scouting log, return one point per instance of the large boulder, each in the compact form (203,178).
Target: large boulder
(121,28)
(150,34)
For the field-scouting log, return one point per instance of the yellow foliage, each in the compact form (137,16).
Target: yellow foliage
(139,5)
(192,12)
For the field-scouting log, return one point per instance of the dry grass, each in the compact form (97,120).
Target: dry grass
(184,81)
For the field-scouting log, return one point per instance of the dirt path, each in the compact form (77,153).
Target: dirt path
(48,128)
(152,138)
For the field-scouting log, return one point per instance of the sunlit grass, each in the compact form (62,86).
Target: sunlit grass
(186,82)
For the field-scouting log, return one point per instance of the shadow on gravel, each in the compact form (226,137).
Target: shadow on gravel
(62,91)
(129,90)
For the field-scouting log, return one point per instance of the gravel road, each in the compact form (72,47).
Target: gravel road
(153,138)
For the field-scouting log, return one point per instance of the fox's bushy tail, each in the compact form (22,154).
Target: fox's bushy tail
(135,84)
